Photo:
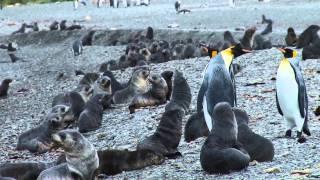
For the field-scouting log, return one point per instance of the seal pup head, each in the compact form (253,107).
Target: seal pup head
(86,92)
(139,79)
(104,83)
(64,111)
(56,121)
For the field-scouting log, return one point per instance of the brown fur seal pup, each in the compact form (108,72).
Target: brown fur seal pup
(149,34)
(102,85)
(115,85)
(258,147)
(81,156)
(4,87)
(39,139)
(181,93)
(247,39)
(167,136)
(63,25)
(87,39)
(167,75)
(76,100)
(156,95)
(221,152)
(312,51)
(268,29)
(91,117)
(196,127)
(291,37)
(89,79)
(308,36)
(137,85)
(23,170)
(54,26)
(116,161)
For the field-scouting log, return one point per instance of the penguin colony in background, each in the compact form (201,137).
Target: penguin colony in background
(230,143)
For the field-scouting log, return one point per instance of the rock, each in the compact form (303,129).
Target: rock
(272,170)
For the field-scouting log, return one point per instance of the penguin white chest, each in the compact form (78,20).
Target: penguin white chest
(287,91)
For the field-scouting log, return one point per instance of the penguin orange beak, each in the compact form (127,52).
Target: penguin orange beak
(213,53)
(247,50)
(282,50)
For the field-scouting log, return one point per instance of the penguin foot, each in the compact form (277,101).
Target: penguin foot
(288,133)
(302,139)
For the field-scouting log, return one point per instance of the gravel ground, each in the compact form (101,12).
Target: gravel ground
(120,130)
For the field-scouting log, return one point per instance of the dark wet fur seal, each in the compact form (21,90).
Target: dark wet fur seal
(87,39)
(181,93)
(22,29)
(291,37)
(177,5)
(38,139)
(90,118)
(4,87)
(167,136)
(63,25)
(156,95)
(221,152)
(196,127)
(74,27)
(308,36)
(184,11)
(116,161)
(137,85)
(258,147)
(311,51)
(54,26)
(82,159)
(22,170)
(167,75)
(149,34)
(268,28)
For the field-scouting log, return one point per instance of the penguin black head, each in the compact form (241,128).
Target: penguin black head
(288,53)
(290,30)
(210,50)
(238,50)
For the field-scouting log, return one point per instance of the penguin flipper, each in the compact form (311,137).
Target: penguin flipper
(233,85)
(278,105)
(203,89)
(302,93)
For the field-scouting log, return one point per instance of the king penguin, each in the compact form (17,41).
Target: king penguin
(291,95)
(218,82)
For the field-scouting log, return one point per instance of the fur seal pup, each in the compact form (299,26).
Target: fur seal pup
(115,84)
(167,75)
(248,38)
(76,100)
(181,93)
(77,47)
(291,37)
(184,11)
(308,36)
(90,118)
(291,95)
(167,136)
(258,147)
(156,95)
(228,40)
(4,87)
(221,152)
(116,161)
(268,28)
(137,85)
(63,25)
(102,85)
(89,79)
(177,5)
(21,30)
(196,127)
(218,84)
(81,156)
(87,39)
(311,51)
(38,139)
(54,26)
(22,170)
(149,34)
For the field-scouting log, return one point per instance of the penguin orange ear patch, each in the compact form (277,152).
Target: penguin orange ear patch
(213,53)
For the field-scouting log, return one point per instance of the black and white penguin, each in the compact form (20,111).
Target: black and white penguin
(218,83)
(291,95)
(77,47)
